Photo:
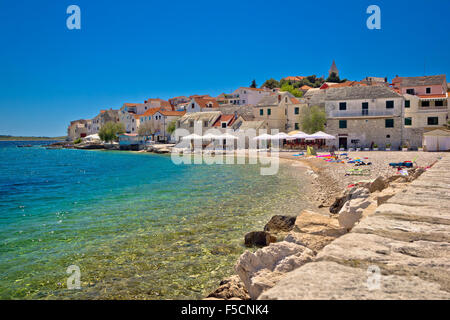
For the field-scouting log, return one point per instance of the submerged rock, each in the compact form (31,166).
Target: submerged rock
(259,238)
(230,288)
(280,223)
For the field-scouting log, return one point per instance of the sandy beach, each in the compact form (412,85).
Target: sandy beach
(329,178)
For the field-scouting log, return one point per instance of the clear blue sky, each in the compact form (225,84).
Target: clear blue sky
(128,51)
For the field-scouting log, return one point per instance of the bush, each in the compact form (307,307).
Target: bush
(110,131)
(77,141)
(290,88)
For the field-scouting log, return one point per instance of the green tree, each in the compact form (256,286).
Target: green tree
(253,85)
(146,129)
(172,126)
(271,84)
(290,88)
(313,119)
(110,131)
(77,141)
(333,78)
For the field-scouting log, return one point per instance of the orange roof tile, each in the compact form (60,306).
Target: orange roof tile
(228,118)
(203,102)
(172,113)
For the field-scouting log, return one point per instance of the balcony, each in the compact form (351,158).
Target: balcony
(362,114)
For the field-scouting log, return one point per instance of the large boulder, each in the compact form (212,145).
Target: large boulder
(351,212)
(261,270)
(230,288)
(280,223)
(314,230)
(259,238)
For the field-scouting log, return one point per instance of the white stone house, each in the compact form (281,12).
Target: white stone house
(364,116)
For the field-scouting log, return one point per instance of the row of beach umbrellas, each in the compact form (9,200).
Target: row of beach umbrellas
(279,136)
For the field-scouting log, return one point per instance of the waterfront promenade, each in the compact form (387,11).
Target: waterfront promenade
(407,239)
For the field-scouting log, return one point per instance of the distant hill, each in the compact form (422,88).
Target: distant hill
(18,138)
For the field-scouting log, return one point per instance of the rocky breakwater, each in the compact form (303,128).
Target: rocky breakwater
(400,250)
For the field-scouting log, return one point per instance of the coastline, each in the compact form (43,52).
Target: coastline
(326,192)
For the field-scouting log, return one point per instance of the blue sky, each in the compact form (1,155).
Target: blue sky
(128,51)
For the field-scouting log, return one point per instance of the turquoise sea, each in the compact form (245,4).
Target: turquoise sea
(137,225)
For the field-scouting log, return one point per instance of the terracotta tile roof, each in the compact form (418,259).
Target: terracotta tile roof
(163,103)
(295,101)
(305,87)
(228,118)
(130,104)
(147,113)
(203,102)
(172,113)
(200,96)
(347,84)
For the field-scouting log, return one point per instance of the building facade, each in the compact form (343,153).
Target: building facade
(364,116)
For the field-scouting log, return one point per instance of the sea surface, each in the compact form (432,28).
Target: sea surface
(136,225)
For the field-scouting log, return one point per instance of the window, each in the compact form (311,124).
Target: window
(342,105)
(407,103)
(261,112)
(408,121)
(365,108)
(410,91)
(191,123)
(439,103)
(224,124)
(297,110)
(425,103)
(433,121)
(285,99)
(243,101)
(205,124)
(192,105)
(296,126)
(428,90)
(178,123)
(342,124)
(389,104)
(269,112)
(389,123)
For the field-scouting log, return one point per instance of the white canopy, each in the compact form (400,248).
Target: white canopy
(227,136)
(300,135)
(321,135)
(281,135)
(264,136)
(192,136)
(210,136)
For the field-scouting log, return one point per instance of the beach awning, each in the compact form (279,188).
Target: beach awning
(92,137)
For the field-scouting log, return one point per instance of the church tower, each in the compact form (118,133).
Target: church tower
(333,69)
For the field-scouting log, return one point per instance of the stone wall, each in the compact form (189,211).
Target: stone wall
(367,131)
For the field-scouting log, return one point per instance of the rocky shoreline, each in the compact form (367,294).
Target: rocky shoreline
(303,237)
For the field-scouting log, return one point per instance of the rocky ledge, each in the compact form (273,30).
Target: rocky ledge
(400,249)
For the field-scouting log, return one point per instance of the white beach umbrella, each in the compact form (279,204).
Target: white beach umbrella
(264,136)
(321,135)
(300,135)
(192,136)
(210,136)
(281,135)
(227,136)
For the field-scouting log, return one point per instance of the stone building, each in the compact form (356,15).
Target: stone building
(361,116)
(280,111)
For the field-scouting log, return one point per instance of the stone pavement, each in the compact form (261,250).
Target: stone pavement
(401,251)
